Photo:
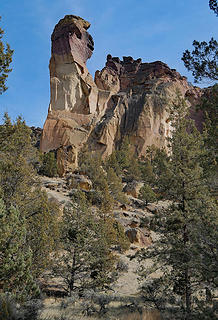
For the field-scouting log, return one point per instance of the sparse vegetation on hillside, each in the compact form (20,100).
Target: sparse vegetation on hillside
(26,210)
(85,260)
(147,194)
(186,253)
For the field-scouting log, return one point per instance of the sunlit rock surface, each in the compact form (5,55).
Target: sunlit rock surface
(126,98)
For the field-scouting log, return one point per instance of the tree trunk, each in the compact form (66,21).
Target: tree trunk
(187,295)
(72,276)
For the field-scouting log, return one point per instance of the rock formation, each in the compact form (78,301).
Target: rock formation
(127,97)
(73,92)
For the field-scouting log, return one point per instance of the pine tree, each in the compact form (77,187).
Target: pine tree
(202,61)
(186,252)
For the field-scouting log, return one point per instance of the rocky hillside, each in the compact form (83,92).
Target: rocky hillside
(126,98)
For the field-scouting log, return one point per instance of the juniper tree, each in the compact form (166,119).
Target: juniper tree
(15,255)
(85,259)
(49,164)
(20,188)
(186,252)
(92,165)
(147,194)
(115,186)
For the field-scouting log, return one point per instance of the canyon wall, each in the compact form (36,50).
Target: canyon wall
(126,98)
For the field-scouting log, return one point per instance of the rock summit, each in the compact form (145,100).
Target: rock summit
(126,98)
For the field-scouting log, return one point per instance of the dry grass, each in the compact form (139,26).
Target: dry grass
(146,315)
(115,311)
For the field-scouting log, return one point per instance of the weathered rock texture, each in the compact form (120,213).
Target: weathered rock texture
(127,97)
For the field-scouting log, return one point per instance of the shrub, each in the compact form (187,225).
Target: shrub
(8,310)
(147,194)
(122,266)
(49,164)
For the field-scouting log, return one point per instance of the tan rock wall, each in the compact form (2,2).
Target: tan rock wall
(127,98)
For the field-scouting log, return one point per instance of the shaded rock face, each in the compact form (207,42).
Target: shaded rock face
(127,97)
(138,105)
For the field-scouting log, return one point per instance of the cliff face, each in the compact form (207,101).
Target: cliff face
(127,97)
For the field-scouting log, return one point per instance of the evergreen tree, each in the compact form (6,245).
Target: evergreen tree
(15,255)
(203,60)
(186,252)
(112,162)
(147,173)
(20,188)
(123,154)
(214,6)
(85,259)
(147,194)
(5,61)
(49,164)
(116,186)
(209,106)
(127,161)
(92,165)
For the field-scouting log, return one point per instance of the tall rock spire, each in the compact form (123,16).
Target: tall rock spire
(128,98)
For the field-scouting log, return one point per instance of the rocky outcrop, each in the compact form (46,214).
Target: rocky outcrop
(73,97)
(35,136)
(126,98)
(140,237)
(138,105)
(132,188)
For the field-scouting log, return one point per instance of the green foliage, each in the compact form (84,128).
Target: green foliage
(116,186)
(114,233)
(49,164)
(5,61)
(209,106)
(92,165)
(214,6)
(112,162)
(127,161)
(44,230)
(203,60)
(123,154)
(85,259)
(147,173)
(20,189)
(186,252)
(147,194)
(15,255)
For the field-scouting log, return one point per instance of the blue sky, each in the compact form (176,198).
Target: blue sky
(147,29)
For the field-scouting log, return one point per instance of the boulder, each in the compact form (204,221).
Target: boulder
(133,188)
(79,181)
(140,237)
